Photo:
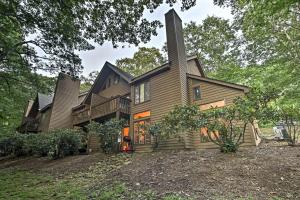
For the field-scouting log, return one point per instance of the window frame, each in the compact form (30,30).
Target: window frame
(144,120)
(195,98)
(144,83)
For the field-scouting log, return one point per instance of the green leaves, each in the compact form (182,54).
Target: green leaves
(108,132)
(145,59)
(214,42)
(46,35)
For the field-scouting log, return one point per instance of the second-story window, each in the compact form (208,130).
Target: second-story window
(142,92)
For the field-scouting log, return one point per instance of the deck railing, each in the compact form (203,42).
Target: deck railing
(116,104)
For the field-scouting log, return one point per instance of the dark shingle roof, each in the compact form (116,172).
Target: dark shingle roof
(44,100)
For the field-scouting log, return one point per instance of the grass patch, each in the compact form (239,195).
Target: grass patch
(17,184)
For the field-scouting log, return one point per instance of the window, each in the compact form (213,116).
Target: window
(142,92)
(116,79)
(141,115)
(141,135)
(141,122)
(197,93)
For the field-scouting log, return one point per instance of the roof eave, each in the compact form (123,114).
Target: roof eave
(219,82)
(151,73)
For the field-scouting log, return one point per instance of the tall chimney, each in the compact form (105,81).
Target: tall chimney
(65,98)
(176,50)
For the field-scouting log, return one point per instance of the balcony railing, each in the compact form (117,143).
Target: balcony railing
(116,104)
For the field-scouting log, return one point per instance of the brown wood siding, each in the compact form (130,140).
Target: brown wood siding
(176,53)
(164,95)
(93,143)
(211,92)
(121,88)
(192,68)
(65,98)
(45,119)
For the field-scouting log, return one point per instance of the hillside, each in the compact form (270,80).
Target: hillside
(270,171)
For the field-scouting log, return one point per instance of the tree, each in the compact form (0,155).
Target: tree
(290,115)
(15,90)
(214,42)
(87,82)
(45,35)
(145,59)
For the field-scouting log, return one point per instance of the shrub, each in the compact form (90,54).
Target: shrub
(56,144)
(6,146)
(63,142)
(42,144)
(225,128)
(108,133)
(14,144)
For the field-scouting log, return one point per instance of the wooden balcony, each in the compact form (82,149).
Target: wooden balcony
(117,104)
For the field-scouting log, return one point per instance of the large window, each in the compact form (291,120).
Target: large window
(141,135)
(141,122)
(142,92)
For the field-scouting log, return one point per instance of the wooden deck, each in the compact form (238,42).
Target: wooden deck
(114,105)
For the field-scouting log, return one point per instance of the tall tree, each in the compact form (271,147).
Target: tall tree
(15,90)
(213,41)
(143,60)
(272,42)
(46,34)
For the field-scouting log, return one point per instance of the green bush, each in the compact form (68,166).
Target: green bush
(108,133)
(55,144)
(14,144)
(6,146)
(63,142)
(42,144)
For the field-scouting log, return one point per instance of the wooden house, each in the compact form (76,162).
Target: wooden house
(140,100)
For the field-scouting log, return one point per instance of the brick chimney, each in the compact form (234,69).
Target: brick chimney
(176,50)
(65,98)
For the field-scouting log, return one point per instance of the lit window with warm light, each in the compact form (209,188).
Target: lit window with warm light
(142,115)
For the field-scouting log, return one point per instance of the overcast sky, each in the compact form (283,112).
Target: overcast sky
(95,59)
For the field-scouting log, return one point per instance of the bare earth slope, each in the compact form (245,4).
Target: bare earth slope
(263,172)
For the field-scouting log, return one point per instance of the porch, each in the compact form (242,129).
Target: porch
(118,106)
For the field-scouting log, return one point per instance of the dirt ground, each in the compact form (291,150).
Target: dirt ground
(257,172)
(269,171)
